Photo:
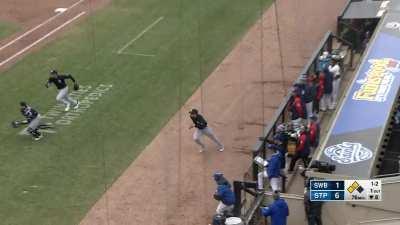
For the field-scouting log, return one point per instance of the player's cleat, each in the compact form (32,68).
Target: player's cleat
(39,137)
(67,108)
(76,106)
(221,149)
(201,150)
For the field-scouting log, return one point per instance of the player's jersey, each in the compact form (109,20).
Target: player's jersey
(59,81)
(199,122)
(29,113)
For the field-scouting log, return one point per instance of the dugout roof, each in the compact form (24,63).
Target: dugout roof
(366,9)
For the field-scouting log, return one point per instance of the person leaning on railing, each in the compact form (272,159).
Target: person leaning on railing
(281,140)
(297,107)
(302,149)
(272,169)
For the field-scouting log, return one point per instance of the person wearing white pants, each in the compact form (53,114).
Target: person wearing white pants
(222,208)
(272,171)
(326,102)
(274,182)
(64,97)
(202,129)
(335,70)
(223,194)
(60,82)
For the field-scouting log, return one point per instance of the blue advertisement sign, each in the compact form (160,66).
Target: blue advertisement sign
(359,126)
(372,95)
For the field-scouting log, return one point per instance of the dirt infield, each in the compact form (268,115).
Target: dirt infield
(170,182)
(40,24)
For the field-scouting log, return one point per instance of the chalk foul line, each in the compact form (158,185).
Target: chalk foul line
(42,38)
(40,25)
(140,35)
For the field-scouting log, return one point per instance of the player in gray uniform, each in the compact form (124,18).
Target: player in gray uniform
(32,119)
(59,81)
(202,129)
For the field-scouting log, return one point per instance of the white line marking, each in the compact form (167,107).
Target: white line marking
(385,4)
(137,54)
(41,39)
(60,10)
(140,35)
(39,26)
(380,13)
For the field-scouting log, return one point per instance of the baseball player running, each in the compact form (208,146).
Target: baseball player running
(32,119)
(202,129)
(59,81)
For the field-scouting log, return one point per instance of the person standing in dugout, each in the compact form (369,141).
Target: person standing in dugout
(59,81)
(202,129)
(32,119)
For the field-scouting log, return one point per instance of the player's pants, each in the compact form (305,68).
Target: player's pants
(296,157)
(335,91)
(209,133)
(63,97)
(309,108)
(274,182)
(326,102)
(222,208)
(34,125)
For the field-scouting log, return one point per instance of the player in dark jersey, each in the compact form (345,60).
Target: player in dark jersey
(59,80)
(32,119)
(202,129)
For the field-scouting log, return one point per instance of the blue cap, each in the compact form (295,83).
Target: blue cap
(218,175)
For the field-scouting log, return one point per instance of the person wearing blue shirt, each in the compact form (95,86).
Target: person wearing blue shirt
(272,170)
(223,194)
(279,148)
(323,61)
(278,210)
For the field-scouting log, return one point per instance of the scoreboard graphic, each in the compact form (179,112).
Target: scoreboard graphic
(345,190)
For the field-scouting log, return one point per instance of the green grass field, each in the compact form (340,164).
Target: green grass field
(58,179)
(7,28)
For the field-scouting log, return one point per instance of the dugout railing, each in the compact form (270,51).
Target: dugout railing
(248,203)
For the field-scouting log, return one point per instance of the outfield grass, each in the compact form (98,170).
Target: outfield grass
(58,179)
(7,28)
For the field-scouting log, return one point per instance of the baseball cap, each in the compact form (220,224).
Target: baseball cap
(193,111)
(218,175)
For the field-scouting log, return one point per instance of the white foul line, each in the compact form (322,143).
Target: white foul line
(39,26)
(140,35)
(137,54)
(41,39)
